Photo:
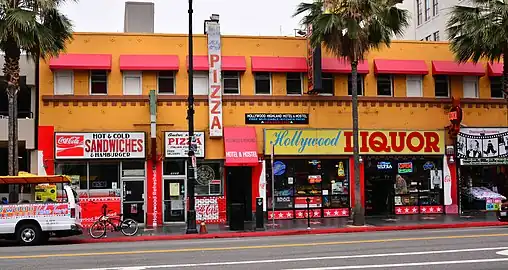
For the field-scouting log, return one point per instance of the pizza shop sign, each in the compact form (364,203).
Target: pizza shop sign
(100,145)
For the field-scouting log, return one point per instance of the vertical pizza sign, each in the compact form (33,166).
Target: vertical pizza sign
(214,80)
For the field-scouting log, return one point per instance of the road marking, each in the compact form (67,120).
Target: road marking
(405,265)
(430,252)
(137,252)
(502,252)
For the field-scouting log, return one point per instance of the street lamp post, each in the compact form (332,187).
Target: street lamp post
(191,212)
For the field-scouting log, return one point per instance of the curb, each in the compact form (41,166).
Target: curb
(289,232)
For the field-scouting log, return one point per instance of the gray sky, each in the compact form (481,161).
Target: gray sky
(238,17)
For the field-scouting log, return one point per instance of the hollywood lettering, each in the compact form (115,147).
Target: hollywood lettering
(118,144)
(394,142)
(283,138)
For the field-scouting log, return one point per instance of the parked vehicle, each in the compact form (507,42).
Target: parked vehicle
(33,223)
(502,213)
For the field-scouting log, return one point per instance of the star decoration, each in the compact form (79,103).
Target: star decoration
(399,210)
(300,214)
(344,212)
(415,210)
(431,209)
(328,213)
(336,213)
(438,209)
(281,215)
(289,215)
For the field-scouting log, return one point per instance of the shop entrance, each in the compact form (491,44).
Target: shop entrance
(174,200)
(239,196)
(378,194)
(133,199)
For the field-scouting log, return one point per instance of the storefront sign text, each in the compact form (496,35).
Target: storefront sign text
(276,118)
(406,167)
(340,142)
(105,145)
(384,165)
(177,144)
(214,80)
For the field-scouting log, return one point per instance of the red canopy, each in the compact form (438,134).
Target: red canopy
(240,144)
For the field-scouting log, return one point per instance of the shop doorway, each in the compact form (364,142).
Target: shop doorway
(239,196)
(133,200)
(378,194)
(174,200)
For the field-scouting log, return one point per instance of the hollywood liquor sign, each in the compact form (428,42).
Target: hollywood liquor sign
(214,80)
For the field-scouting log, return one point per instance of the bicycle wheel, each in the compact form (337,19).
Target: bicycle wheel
(129,227)
(98,229)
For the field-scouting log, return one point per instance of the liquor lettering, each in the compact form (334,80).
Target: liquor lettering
(396,141)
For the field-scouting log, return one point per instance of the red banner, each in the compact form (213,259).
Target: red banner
(91,209)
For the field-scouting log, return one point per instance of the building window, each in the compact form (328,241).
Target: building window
(294,83)
(231,82)
(263,83)
(414,86)
(166,82)
(496,87)
(470,87)
(104,175)
(200,80)
(384,85)
(435,7)
(77,171)
(64,82)
(419,11)
(328,84)
(427,10)
(174,167)
(98,82)
(210,178)
(427,38)
(436,36)
(132,82)
(442,86)
(359,83)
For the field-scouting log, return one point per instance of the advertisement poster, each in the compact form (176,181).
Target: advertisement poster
(33,210)
(44,192)
(211,209)
(91,209)
(177,144)
(100,145)
(475,143)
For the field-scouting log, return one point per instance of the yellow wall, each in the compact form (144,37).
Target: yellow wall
(115,113)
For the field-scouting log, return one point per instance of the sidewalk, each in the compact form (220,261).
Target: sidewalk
(299,227)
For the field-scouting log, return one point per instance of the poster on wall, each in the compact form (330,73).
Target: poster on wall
(100,145)
(476,143)
(177,144)
(276,118)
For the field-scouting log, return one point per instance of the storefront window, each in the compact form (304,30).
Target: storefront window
(133,168)
(174,167)
(209,178)
(482,188)
(391,182)
(104,175)
(75,170)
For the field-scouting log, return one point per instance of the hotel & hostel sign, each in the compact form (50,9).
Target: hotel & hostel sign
(340,142)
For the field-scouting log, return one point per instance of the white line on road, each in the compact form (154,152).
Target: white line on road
(301,259)
(401,264)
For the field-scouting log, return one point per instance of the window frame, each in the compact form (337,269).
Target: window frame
(436,36)
(391,84)
(362,84)
(442,78)
(293,79)
(132,74)
(427,10)
(428,38)
(201,74)
(56,74)
(90,74)
(419,12)
(224,77)
(172,77)
(468,79)
(256,74)
(435,7)
(418,78)
(500,88)
(220,164)
(332,79)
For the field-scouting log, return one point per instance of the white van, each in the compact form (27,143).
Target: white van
(35,223)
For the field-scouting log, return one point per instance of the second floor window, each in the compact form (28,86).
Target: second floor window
(166,82)
(98,82)
(359,83)
(427,10)
(441,86)
(427,38)
(435,7)
(200,81)
(496,87)
(384,85)
(263,83)
(436,36)
(132,83)
(328,84)
(294,83)
(419,11)
(231,82)
(470,87)
(63,82)
(414,86)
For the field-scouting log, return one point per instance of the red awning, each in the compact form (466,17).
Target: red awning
(229,63)
(81,62)
(495,69)
(456,69)
(149,62)
(334,65)
(278,64)
(240,145)
(404,67)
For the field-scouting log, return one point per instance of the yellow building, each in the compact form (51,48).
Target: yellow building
(95,108)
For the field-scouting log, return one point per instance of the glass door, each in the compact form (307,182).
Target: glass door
(174,200)
(133,200)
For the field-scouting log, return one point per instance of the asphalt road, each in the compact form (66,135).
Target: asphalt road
(464,249)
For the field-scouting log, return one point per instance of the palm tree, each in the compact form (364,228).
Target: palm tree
(479,31)
(37,28)
(349,29)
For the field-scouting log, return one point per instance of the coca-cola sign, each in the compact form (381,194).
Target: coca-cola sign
(100,145)
(207,209)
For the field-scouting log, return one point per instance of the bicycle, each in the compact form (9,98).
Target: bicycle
(99,228)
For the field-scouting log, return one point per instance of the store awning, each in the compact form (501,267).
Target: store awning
(455,69)
(495,69)
(278,64)
(149,62)
(81,62)
(403,67)
(240,145)
(334,65)
(229,63)
(34,179)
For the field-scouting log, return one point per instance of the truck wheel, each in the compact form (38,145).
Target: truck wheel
(29,235)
